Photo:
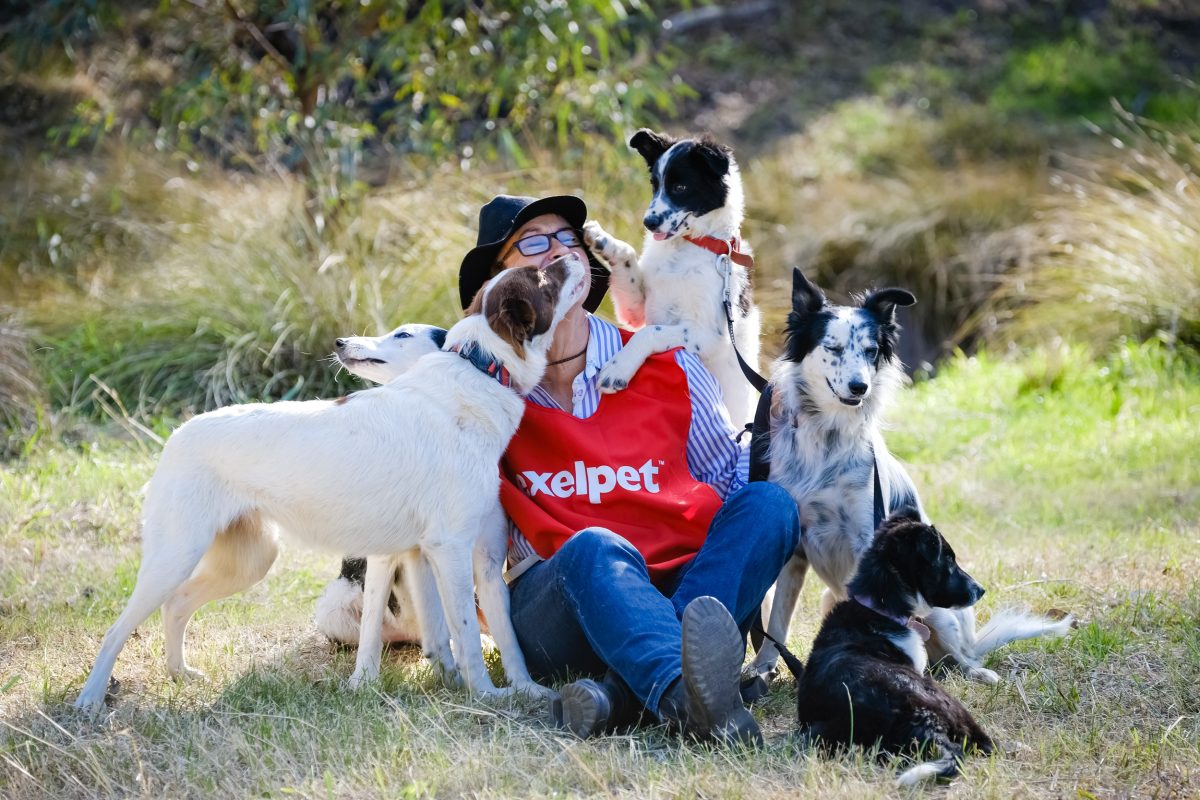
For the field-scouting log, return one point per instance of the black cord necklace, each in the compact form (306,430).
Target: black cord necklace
(568,358)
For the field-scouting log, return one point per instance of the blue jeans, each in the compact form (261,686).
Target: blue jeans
(591,606)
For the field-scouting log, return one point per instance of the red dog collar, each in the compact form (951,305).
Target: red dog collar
(721,247)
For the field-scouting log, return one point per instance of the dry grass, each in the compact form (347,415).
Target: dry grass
(873,195)
(1114,252)
(184,292)
(1063,485)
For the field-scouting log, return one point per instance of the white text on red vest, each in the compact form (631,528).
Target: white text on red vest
(592,481)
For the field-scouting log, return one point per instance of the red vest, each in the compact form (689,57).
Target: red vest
(623,468)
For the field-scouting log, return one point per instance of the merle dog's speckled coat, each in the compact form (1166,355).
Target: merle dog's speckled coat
(863,683)
(831,386)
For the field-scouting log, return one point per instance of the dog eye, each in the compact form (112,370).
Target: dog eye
(836,349)
(402,335)
(871,352)
(679,188)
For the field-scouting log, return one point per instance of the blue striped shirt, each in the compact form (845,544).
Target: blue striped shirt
(714,455)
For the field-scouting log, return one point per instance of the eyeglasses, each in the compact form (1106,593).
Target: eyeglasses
(538,243)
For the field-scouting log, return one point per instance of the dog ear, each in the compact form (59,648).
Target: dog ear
(514,320)
(715,155)
(651,145)
(805,296)
(476,306)
(882,303)
(907,512)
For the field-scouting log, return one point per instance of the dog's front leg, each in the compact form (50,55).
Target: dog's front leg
(627,287)
(619,371)
(783,606)
(377,587)
(427,605)
(490,551)
(451,562)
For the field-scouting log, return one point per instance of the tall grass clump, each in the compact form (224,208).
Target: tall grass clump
(226,292)
(20,386)
(79,224)
(247,300)
(1115,252)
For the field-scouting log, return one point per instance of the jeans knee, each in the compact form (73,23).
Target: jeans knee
(592,551)
(778,521)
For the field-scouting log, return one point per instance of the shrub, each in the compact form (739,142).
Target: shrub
(866,198)
(1080,74)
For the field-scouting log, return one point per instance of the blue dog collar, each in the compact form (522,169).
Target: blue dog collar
(484,361)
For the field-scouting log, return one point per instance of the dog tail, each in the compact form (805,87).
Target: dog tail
(945,767)
(1011,625)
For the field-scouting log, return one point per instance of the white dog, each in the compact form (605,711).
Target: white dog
(338,614)
(831,385)
(411,464)
(693,272)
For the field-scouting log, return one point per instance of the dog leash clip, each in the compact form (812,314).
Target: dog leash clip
(726,268)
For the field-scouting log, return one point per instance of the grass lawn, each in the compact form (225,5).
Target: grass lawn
(1062,483)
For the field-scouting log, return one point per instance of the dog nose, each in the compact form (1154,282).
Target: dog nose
(978,592)
(652,221)
(340,343)
(858,388)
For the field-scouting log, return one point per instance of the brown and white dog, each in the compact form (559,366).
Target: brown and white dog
(407,466)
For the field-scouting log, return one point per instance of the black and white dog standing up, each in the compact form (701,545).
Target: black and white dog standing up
(693,268)
(831,385)
(864,681)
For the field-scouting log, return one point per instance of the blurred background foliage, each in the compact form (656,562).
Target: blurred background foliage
(200,196)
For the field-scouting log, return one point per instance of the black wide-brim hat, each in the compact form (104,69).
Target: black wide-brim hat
(499,219)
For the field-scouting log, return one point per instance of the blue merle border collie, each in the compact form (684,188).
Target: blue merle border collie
(864,683)
(831,386)
(693,262)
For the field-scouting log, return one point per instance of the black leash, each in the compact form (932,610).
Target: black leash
(760,437)
(794,664)
(756,380)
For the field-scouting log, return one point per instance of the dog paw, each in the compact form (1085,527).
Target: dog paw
(360,678)
(90,702)
(535,691)
(493,692)
(191,675)
(446,672)
(593,235)
(616,374)
(981,675)
(613,252)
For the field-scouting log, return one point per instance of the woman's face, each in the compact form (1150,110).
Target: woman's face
(546,225)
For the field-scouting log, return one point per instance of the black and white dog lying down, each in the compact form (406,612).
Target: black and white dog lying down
(864,683)
(831,387)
